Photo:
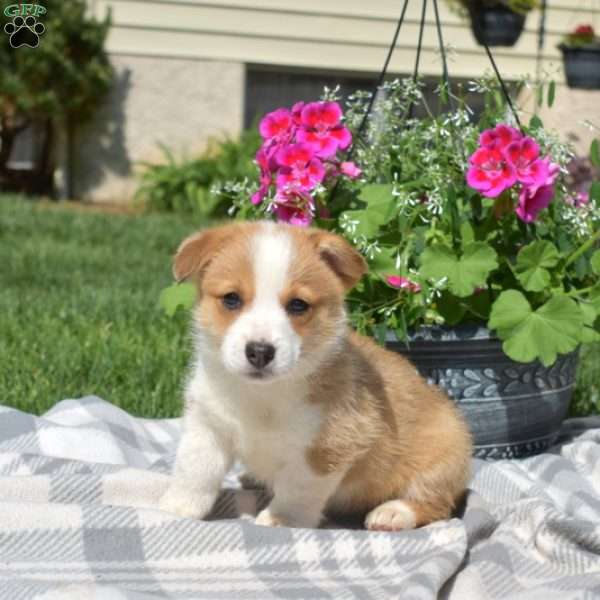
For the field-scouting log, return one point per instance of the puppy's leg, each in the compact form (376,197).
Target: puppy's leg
(431,496)
(395,515)
(203,458)
(300,495)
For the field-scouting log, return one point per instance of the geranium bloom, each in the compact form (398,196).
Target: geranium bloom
(532,200)
(525,158)
(276,124)
(300,168)
(490,173)
(499,137)
(294,207)
(578,200)
(322,128)
(553,170)
(297,113)
(403,283)
(350,169)
(262,160)
(585,30)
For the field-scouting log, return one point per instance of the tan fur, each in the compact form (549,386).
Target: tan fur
(402,437)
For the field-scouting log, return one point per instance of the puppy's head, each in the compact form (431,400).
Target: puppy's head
(271,297)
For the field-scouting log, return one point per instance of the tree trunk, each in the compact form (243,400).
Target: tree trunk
(44,168)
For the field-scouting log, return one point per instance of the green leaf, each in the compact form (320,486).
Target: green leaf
(536,122)
(467,233)
(595,191)
(379,198)
(590,314)
(595,262)
(384,262)
(366,222)
(551,93)
(379,210)
(464,273)
(380,331)
(450,308)
(595,153)
(533,262)
(594,297)
(176,295)
(554,328)
(539,95)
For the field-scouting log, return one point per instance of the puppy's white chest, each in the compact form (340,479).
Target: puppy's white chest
(271,438)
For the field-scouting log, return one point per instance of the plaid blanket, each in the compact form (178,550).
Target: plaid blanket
(78,520)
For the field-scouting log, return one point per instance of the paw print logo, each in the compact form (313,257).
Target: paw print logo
(24,32)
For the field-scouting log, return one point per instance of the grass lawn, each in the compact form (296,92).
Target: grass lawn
(79,308)
(79,311)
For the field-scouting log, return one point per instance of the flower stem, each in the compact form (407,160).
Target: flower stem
(577,293)
(583,249)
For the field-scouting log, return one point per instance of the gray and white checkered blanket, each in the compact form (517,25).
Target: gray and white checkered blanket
(78,520)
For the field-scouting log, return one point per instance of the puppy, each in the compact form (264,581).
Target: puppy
(327,419)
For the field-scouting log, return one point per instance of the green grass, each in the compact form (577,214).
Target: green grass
(79,311)
(79,308)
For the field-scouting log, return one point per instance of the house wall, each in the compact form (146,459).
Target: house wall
(180,65)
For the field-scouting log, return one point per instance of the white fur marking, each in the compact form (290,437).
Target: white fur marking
(266,319)
(391,516)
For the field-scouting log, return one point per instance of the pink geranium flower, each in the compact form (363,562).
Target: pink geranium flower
(322,128)
(403,283)
(297,113)
(262,160)
(490,172)
(499,137)
(532,200)
(294,207)
(524,156)
(350,169)
(276,124)
(300,168)
(578,199)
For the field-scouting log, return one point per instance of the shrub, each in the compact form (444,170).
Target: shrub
(184,186)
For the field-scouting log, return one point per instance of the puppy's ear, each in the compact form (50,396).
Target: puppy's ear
(340,257)
(196,251)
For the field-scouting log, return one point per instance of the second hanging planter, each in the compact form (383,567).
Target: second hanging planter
(495,25)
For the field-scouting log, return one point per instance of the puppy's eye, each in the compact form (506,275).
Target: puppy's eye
(232,301)
(296,306)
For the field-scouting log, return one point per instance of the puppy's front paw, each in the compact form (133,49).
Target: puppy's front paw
(183,502)
(267,519)
(391,516)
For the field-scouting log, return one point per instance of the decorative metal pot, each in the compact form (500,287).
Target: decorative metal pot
(495,25)
(582,66)
(513,409)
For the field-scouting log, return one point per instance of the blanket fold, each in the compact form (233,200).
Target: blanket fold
(79,490)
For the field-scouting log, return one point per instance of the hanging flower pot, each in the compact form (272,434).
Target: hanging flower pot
(495,24)
(581,58)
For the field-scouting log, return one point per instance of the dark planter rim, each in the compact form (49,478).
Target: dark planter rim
(578,49)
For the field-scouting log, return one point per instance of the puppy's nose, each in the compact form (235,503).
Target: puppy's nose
(259,354)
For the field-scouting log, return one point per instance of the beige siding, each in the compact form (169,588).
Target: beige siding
(333,34)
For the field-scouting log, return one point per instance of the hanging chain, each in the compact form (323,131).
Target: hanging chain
(380,79)
(503,86)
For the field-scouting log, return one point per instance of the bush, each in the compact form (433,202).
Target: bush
(184,186)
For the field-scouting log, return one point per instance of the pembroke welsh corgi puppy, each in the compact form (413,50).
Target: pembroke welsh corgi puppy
(325,418)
